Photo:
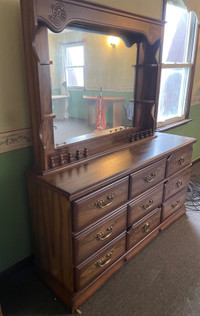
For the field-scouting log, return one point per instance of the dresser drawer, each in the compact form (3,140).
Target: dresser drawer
(176,183)
(94,206)
(144,227)
(144,179)
(99,235)
(95,265)
(144,205)
(173,204)
(178,161)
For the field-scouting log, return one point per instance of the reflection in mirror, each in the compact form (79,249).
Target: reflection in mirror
(92,84)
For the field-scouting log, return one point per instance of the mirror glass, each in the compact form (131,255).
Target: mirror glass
(92,78)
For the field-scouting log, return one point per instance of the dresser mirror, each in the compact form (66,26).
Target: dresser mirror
(92,84)
(88,96)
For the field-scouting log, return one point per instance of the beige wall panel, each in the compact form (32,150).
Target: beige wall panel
(151,9)
(13,91)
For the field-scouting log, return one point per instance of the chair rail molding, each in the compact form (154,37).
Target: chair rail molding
(195,100)
(16,139)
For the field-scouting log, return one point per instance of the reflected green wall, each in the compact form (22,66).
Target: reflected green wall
(15,232)
(78,106)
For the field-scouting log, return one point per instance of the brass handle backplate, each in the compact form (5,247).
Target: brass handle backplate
(174,205)
(102,262)
(151,177)
(148,205)
(181,160)
(105,203)
(146,227)
(108,233)
(179,183)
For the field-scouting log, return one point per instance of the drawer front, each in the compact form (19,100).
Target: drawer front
(94,206)
(143,228)
(144,205)
(178,161)
(146,178)
(88,271)
(176,183)
(97,237)
(173,204)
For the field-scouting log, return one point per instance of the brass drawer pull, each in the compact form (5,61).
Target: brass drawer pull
(105,203)
(179,183)
(103,236)
(174,205)
(181,160)
(146,227)
(148,205)
(102,262)
(151,177)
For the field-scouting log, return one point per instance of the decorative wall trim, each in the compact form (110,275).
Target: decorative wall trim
(14,140)
(195,99)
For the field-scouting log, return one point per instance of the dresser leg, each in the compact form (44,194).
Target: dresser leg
(75,311)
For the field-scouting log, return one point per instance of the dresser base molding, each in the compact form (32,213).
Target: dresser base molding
(85,294)
(132,252)
(76,300)
(173,217)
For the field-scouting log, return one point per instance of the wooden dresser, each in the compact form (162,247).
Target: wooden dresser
(90,218)
(99,198)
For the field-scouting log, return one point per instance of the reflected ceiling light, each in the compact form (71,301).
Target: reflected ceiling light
(113,40)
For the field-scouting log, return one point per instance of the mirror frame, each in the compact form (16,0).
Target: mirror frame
(146,33)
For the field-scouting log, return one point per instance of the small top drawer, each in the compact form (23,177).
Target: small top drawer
(144,204)
(99,235)
(144,179)
(178,161)
(95,205)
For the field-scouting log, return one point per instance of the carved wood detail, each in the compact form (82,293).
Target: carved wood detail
(58,14)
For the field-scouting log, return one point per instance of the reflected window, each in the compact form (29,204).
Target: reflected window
(92,85)
(74,64)
(178,57)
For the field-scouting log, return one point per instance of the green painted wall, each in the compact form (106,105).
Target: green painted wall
(15,232)
(191,129)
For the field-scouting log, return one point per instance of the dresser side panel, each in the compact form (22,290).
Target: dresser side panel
(51,221)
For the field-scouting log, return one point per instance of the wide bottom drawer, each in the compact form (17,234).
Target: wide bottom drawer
(176,183)
(144,227)
(95,265)
(173,204)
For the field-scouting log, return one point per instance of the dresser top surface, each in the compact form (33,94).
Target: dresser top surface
(90,175)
